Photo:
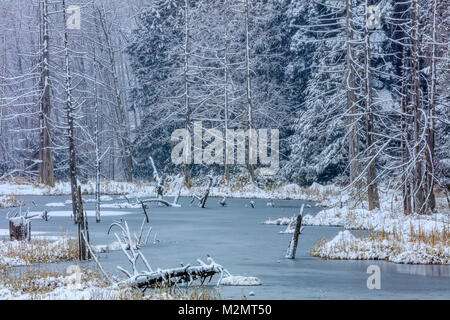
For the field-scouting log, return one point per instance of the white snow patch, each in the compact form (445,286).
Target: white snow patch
(122,205)
(283,221)
(56,204)
(240,281)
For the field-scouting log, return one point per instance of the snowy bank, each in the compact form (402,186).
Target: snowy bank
(393,248)
(379,220)
(236,189)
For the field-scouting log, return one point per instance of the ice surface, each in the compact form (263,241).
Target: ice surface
(234,236)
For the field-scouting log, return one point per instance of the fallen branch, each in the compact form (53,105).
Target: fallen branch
(96,259)
(184,274)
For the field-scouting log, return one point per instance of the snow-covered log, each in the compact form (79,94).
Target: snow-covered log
(149,278)
(184,274)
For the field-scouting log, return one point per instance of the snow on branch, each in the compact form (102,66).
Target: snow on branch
(125,240)
(159,180)
(184,274)
(149,278)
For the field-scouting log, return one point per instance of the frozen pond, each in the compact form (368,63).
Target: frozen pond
(234,237)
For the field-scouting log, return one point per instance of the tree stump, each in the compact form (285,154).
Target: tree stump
(19,229)
(290,254)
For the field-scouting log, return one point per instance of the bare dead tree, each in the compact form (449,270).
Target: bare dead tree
(46,174)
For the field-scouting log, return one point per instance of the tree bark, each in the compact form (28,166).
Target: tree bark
(46,174)
(292,249)
(248,88)
(187,172)
(372,186)
(353,138)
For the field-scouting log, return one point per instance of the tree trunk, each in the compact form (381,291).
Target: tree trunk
(225,63)
(122,120)
(82,228)
(70,126)
(46,174)
(418,183)
(290,254)
(372,186)
(187,173)
(248,89)
(429,151)
(353,138)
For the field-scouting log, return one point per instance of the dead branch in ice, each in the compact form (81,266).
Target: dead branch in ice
(159,180)
(96,259)
(290,254)
(202,199)
(223,202)
(161,201)
(125,239)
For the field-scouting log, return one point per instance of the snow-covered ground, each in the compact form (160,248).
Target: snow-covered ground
(395,237)
(60,286)
(317,193)
(345,246)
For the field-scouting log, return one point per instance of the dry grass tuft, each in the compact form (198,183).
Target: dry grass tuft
(39,251)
